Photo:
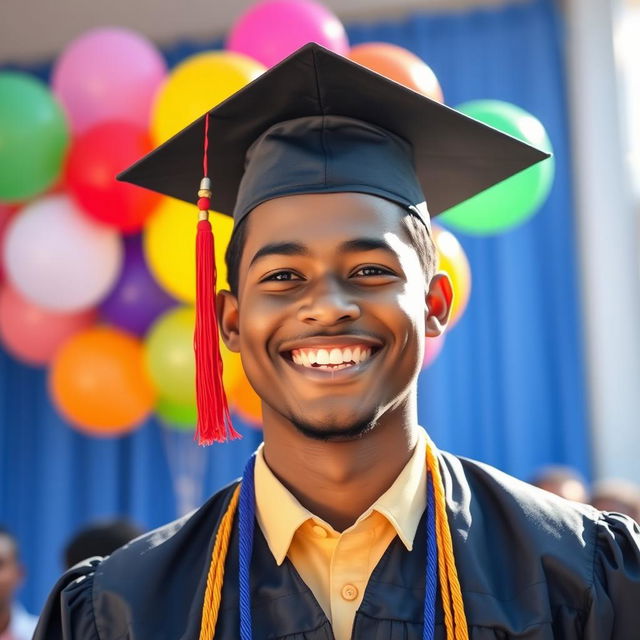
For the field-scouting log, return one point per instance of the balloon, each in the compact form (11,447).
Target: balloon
(197,85)
(246,402)
(270,31)
(516,199)
(400,65)
(34,137)
(170,359)
(109,73)
(175,416)
(136,299)
(453,261)
(95,158)
(169,356)
(432,349)
(170,247)
(98,382)
(32,334)
(58,259)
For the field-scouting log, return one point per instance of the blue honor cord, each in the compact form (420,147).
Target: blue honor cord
(246,527)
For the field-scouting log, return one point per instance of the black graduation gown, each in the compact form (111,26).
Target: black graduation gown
(531,566)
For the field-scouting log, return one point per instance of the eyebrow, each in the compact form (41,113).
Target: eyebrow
(295,249)
(280,249)
(365,244)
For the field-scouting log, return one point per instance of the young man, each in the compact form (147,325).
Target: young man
(324,166)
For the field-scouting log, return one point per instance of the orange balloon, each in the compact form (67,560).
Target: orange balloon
(246,402)
(453,261)
(98,382)
(400,65)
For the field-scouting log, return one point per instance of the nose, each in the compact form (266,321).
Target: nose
(328,303)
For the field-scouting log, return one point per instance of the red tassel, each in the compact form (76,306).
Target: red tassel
(214,421)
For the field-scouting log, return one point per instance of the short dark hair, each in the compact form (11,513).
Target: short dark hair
(99,539)
(417,231)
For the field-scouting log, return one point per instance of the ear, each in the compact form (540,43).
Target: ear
(439,301)
(228,319)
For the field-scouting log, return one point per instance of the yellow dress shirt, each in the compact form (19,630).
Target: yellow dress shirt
(337,566)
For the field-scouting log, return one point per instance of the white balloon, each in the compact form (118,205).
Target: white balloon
(58,258)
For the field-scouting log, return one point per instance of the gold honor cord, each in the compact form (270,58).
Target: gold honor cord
(215,578)
(455,620)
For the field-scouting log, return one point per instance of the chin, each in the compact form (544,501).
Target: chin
(332,429)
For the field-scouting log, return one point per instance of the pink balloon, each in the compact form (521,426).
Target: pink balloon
(32,334)
(432,349)
(108,74)
(6,214)
(273,29)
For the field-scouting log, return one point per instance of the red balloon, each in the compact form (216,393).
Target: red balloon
(32,334)
(95,158)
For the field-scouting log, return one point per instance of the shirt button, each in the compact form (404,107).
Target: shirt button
(349,592)
(319,531)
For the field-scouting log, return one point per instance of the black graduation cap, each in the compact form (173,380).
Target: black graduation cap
(318,122)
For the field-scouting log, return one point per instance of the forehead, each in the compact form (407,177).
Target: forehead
(7,547)
(328,217)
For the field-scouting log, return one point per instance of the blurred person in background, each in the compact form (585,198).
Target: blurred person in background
(563,481)
(15,622)
(620,496)
(99,539)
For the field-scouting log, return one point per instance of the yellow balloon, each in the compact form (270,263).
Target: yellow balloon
(197,85)
(453,261)
(170,247)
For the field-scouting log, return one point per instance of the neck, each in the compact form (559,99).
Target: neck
(5,616)
(338,481)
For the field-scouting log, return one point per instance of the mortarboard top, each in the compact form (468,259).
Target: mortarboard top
(317,122)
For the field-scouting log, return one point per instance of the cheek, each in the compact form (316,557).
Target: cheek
(259,320)
(411,306)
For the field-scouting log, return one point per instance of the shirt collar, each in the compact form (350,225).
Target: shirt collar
(280,514)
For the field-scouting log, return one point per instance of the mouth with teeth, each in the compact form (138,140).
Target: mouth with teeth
(332,358)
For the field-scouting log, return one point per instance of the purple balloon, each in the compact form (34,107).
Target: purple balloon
(136,299)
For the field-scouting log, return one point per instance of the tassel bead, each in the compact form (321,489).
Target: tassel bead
(204,204)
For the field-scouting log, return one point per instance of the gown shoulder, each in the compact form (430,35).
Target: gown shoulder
(119,597)
(545,561)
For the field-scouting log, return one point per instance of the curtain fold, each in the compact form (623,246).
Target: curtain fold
(507,389)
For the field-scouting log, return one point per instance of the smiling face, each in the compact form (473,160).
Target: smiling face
(331,311)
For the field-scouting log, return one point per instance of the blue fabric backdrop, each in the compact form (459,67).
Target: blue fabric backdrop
(508,388)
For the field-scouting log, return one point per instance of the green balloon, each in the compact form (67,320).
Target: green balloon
(176,416)
(34,137)
(514,200)
(169,356)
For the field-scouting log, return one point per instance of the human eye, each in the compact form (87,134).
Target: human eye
(283,275)
(372,271)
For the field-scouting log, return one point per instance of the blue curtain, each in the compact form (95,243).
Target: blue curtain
(508,388)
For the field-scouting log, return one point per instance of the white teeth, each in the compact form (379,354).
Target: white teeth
(334,358)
